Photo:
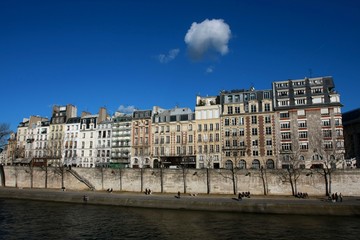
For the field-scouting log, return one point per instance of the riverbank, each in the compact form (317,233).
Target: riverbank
(225,203)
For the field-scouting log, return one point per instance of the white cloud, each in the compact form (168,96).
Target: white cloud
(208,37)
(171,55)
(126,109)
(210,69)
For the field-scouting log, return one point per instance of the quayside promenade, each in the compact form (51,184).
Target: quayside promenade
(226,203)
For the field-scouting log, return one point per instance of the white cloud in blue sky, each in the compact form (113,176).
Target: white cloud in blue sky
(208,37)
(171,55)
(126,109)
(209,69)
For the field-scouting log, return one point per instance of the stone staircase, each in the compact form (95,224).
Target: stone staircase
(81,179)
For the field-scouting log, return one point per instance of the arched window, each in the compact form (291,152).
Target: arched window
(270,164)
(255,164)
(136,161)
(229,164)
(301,158)
(156,163)
(242,164)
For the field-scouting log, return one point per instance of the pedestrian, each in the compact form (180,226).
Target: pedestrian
(239,197)
(178,195)
(340,197)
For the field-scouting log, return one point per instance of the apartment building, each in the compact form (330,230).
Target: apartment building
(88,138)
(32,139)
(71,142)
(103,146)
(173,138)
(208,138)
(247,129)
(141,139)
(59,116)
(308,121)
(121,140)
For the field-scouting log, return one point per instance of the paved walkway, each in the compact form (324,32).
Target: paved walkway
(255,204)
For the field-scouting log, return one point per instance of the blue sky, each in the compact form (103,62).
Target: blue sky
(137,54)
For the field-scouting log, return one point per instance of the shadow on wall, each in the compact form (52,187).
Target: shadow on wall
(2,176)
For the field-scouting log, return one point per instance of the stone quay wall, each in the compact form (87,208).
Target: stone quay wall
(191,181)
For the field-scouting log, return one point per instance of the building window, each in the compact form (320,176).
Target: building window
(253,120)
(285,125)
(241,132)
(253,108)
(268,130)
(254,131)
(328,145)
(241,121)
(233,121)
(237,109)
(227,122)
(255,153)
(286,146)
(300,101)
(326,122)
(229,164)
(304,146)
(230,110)
(285,135)
(227,133)
(270,164)
(302,124)
(255,164)
(266,95)
(267,107)
(242,164)
(284,115)
(327,133)
(300,92)
(269,153)
(234,132)
(303,134)
(267,119)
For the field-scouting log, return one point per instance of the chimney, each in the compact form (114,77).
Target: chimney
(102,114)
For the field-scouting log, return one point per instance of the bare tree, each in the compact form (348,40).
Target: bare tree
(292,168)
(232,167)
(330,156)
(4,132)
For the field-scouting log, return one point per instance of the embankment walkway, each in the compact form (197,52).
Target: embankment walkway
(223,203)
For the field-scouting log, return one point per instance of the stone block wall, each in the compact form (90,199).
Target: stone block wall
(196,180)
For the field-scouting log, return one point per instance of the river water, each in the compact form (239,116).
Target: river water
(22,219)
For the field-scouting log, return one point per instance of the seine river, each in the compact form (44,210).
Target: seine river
(20,219)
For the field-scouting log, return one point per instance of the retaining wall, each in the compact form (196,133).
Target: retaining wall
(220,180)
